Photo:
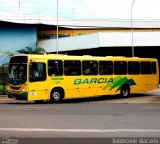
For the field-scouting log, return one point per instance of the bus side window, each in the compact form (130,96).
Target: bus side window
(105,67)
(146,68)
(120,67)
(133,67)
(55,67)
(154,71)
(72,67)
(90,67)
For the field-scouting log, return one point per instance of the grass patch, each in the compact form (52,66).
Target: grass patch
(3,89)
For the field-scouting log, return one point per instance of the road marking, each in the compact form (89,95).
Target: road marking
(33,107)
(154,107)
(79,130)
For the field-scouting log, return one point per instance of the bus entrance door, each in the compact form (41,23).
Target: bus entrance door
(38,91)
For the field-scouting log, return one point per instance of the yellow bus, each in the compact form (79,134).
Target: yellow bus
(55,77)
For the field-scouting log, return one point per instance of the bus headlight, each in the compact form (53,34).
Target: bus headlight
(23,90)
(8,88)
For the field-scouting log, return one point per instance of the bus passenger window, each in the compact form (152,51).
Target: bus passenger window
(146,68)
(133,67)
(120,67)
(154,68)
(55,67)
(105,67)
(72,67)
(90,67)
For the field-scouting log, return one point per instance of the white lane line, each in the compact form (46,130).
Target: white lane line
(34,107)
(79,130)
(154,107)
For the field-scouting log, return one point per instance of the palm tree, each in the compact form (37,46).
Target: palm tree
(30,50)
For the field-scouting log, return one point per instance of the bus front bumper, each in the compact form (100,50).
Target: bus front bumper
(18,96)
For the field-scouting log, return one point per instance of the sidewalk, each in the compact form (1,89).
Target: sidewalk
(3,96)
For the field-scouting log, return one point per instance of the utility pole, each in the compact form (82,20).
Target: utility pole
(57,30)
(132,28)
(19,5)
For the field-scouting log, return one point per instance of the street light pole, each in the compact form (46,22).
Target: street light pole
(19,5)
(132,28)
(73,14)
(57,30)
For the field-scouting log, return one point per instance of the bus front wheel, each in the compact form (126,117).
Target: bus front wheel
(56,96)
(125,91)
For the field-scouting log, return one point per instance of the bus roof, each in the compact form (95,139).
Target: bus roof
(84,57)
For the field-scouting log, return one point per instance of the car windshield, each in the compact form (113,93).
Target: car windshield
(17,73)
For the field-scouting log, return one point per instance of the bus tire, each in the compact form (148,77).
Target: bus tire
(125,91)
(56,96)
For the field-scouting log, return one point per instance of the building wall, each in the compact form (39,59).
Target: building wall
(104,39)
(74,32)
(13,38)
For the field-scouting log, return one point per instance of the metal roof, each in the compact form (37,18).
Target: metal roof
(77,24)
(102,39)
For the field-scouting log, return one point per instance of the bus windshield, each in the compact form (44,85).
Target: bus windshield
(17,73)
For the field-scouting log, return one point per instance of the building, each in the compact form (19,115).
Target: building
(146,44)
(106,37)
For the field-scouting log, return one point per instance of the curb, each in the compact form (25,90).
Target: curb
(3,96)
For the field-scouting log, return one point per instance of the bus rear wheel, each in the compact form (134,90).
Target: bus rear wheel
(125,91)
(56,96)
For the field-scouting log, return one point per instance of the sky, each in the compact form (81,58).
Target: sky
(86,9)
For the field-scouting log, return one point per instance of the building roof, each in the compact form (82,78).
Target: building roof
(77,24)
(102,39)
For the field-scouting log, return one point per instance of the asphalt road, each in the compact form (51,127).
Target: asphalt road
(94,119)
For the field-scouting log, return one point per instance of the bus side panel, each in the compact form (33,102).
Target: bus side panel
(74,87)
(38,91)
(144,83)
(89,86)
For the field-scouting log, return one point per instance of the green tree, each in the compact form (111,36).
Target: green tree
(30,50)
(4,59)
